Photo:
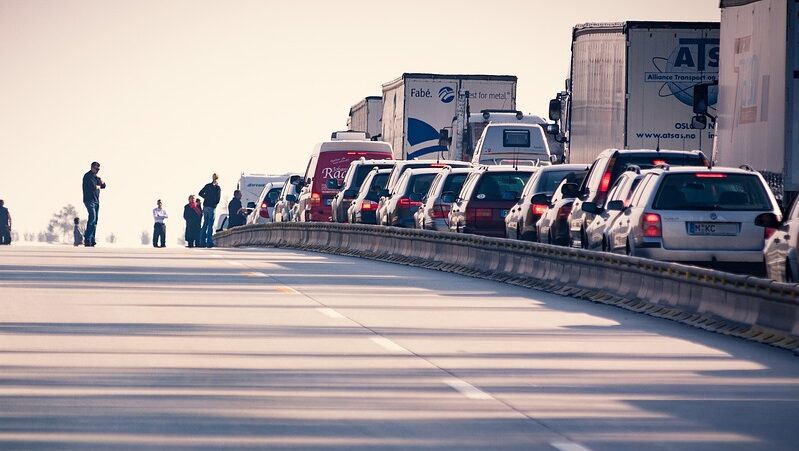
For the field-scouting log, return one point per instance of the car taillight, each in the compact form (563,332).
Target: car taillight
(651,226)
(658,162)
(483,213)
(406,202)
(539,209)
(264,205)
(368,205)
(767,232)
(564,211)
(605,183)
(441,211)
(316,199)
(710,175)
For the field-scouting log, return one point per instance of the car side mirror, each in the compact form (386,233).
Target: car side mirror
(250,205)
(552,129)
(332,184)
(540,199)
(591,207)
(350,193)
(555,108)
(443,138)
(291,198)
(448,198)
(768,220)
(699,122)
(614,205)
(569,190)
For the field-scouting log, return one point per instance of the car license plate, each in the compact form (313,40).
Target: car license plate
(503,213)
(713,228)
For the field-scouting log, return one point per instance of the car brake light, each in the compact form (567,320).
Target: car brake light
(368,205)
(651,226)
(767,232)
(316,199)
(658,162)
(710,175)
(605,183)
(406,202)
(483,212)
(539,209)
(441,211)
(264,205)
(564,211)
(357,153)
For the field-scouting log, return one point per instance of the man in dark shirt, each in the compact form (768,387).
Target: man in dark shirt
(5,224)
(210,194)
(92,184)
(236,215)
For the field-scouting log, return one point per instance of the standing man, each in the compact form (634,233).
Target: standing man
(5,224)
(159,229)
(92,184)
(210,194)
(236,215)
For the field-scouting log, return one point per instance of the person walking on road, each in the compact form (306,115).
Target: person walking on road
(211,194)
(236,215)
(92,184)
(159,229)
(193,216)
(5,224)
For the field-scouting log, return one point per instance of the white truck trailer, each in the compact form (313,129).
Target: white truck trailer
(365,116)
(631,86)
(416,106)
(759,89)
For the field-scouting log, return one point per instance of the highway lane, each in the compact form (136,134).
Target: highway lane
(113,348)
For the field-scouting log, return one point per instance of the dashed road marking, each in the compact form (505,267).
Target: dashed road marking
(390,345)
(330,313)
(254,274)
(568,446)
(287,290)
(468,390)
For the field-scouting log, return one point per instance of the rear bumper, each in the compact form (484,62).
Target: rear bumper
(699,256)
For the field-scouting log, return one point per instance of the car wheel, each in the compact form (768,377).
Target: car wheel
(627,249)
(789,278)
(549,238)
(583,239)
(604,244)
(518,230)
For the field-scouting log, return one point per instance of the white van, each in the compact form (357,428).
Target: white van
(512,144)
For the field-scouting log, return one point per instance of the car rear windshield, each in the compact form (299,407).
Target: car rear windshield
(712,191)
(378,184)
(501,185)
(273,195)
(420,183)
(650,160)
(362,171)
(549,180)
(454,183)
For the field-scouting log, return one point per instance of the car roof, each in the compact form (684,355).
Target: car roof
(363,160)
(608,152)
(564,167)
(504,168)
(414,171)
(704,169)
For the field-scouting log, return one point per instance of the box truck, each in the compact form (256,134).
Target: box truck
(416,106)
(365,116)
(758,89)
(631,85)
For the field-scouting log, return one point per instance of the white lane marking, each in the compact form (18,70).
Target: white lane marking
(330,313)
(468,390)
(234,263)
(568,446)
(259,274)
(287,290)
(390,345)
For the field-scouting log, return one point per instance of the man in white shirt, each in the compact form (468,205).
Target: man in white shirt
(159,229)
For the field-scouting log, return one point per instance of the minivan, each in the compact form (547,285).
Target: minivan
(327,167)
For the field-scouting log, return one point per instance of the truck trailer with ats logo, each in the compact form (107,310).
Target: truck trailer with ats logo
(758,115)
(416,106)
(630,86)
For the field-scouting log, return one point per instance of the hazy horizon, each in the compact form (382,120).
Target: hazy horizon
(164,93)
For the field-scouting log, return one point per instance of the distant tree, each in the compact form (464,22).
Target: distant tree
(111,238)
(62,222)
(14,235)
(145,237)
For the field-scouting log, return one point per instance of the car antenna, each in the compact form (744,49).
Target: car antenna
(657,149)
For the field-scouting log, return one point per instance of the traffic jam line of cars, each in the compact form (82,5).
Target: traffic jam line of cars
(661,204)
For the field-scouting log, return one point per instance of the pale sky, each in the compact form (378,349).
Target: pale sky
(163,93)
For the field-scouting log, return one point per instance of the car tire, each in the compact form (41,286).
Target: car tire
(583,239)
(628,249)
(549,238)
(604,244)
(518,230)
(789,278)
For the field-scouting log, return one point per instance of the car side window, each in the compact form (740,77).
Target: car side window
(594,175)
(794,214)
(643,187)
(467,186)
(617,189)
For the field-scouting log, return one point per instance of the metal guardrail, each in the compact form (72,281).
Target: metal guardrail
(745,306)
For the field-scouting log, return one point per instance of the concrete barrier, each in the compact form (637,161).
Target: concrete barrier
(744,306)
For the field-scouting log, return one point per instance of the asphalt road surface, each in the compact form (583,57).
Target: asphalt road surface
(114,348)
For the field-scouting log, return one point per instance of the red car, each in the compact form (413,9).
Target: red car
(486,197)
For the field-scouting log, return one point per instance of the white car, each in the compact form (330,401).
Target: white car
(697,215)
(264,211)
